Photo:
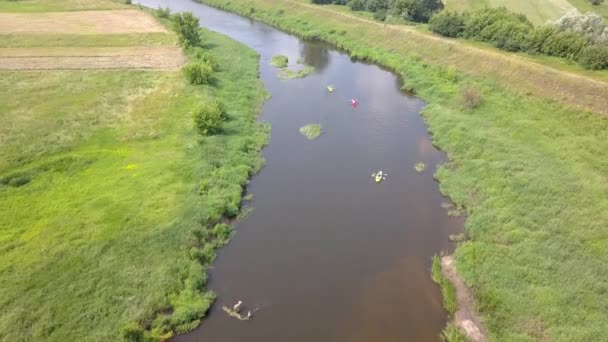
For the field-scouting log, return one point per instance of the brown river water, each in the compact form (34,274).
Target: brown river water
(328,254)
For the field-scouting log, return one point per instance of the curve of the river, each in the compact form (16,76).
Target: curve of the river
(328,254)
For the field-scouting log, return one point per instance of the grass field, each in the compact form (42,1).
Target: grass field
(529,170)
(108,194)
(585,6)
(538,11)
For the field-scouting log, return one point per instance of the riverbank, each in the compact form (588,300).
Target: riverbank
(526,165)
(109,197)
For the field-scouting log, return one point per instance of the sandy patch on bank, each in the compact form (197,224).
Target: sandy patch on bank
(76,58)
(80,22)
(466,318)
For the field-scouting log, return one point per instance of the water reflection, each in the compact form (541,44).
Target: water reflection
(315,54)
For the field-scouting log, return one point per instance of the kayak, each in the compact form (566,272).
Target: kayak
(331,89)
(378,177)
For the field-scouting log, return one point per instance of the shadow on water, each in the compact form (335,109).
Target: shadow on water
(328,254)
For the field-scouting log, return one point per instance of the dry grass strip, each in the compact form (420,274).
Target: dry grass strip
(80,22)
(136,57)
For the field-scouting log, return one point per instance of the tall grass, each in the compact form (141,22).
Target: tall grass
(448,292)
(529,172)
(311,131)
(279,61)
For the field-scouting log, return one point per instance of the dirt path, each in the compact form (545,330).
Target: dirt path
(465,317)
(80,22)
(76,58)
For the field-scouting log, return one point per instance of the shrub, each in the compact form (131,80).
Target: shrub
(187,27)
(590,25)
(209,117)
(596,2)
(478,21)
(127,2)
(507,35)
(222,233)
(538,36)
(198,73)
(447,23)
(206,57)
(471,98)
(380,15)
(163,12)
(356,5)
(565,44)
(594,57)
(132,332)
(415,10)
(279,61)
(311,131)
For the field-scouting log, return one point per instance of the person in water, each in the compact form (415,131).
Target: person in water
(237,306)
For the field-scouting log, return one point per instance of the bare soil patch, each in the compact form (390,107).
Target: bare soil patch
(466,318)
(135,57)
(80,22)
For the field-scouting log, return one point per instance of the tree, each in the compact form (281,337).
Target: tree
(589,24)
(594,57)
(414,10)
(209,117)
(447,23)
(187,25)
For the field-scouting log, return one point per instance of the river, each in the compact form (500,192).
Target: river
(328,254)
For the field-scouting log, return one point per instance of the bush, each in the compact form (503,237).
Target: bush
(210,117)
(206,57)
(565,44)
(538,36)
(471,98)
(415,10)
(163,12)
(198,73)
(222,233)
(380,15)
(594,57)
(590,25)
(132,332)
(187,27)
(447,23)
(279,61)
(507,35)
(356,5)
(127,2)
(478,24)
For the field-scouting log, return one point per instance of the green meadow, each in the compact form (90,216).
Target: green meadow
(110,199)
(529,172)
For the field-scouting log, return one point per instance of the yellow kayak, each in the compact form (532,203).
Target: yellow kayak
(379,177)
(331,89)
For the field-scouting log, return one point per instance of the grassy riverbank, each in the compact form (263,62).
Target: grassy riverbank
(108,195)
(529,168)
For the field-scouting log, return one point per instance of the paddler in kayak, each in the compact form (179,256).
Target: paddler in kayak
(354,102)
(379,176)
(331,88)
